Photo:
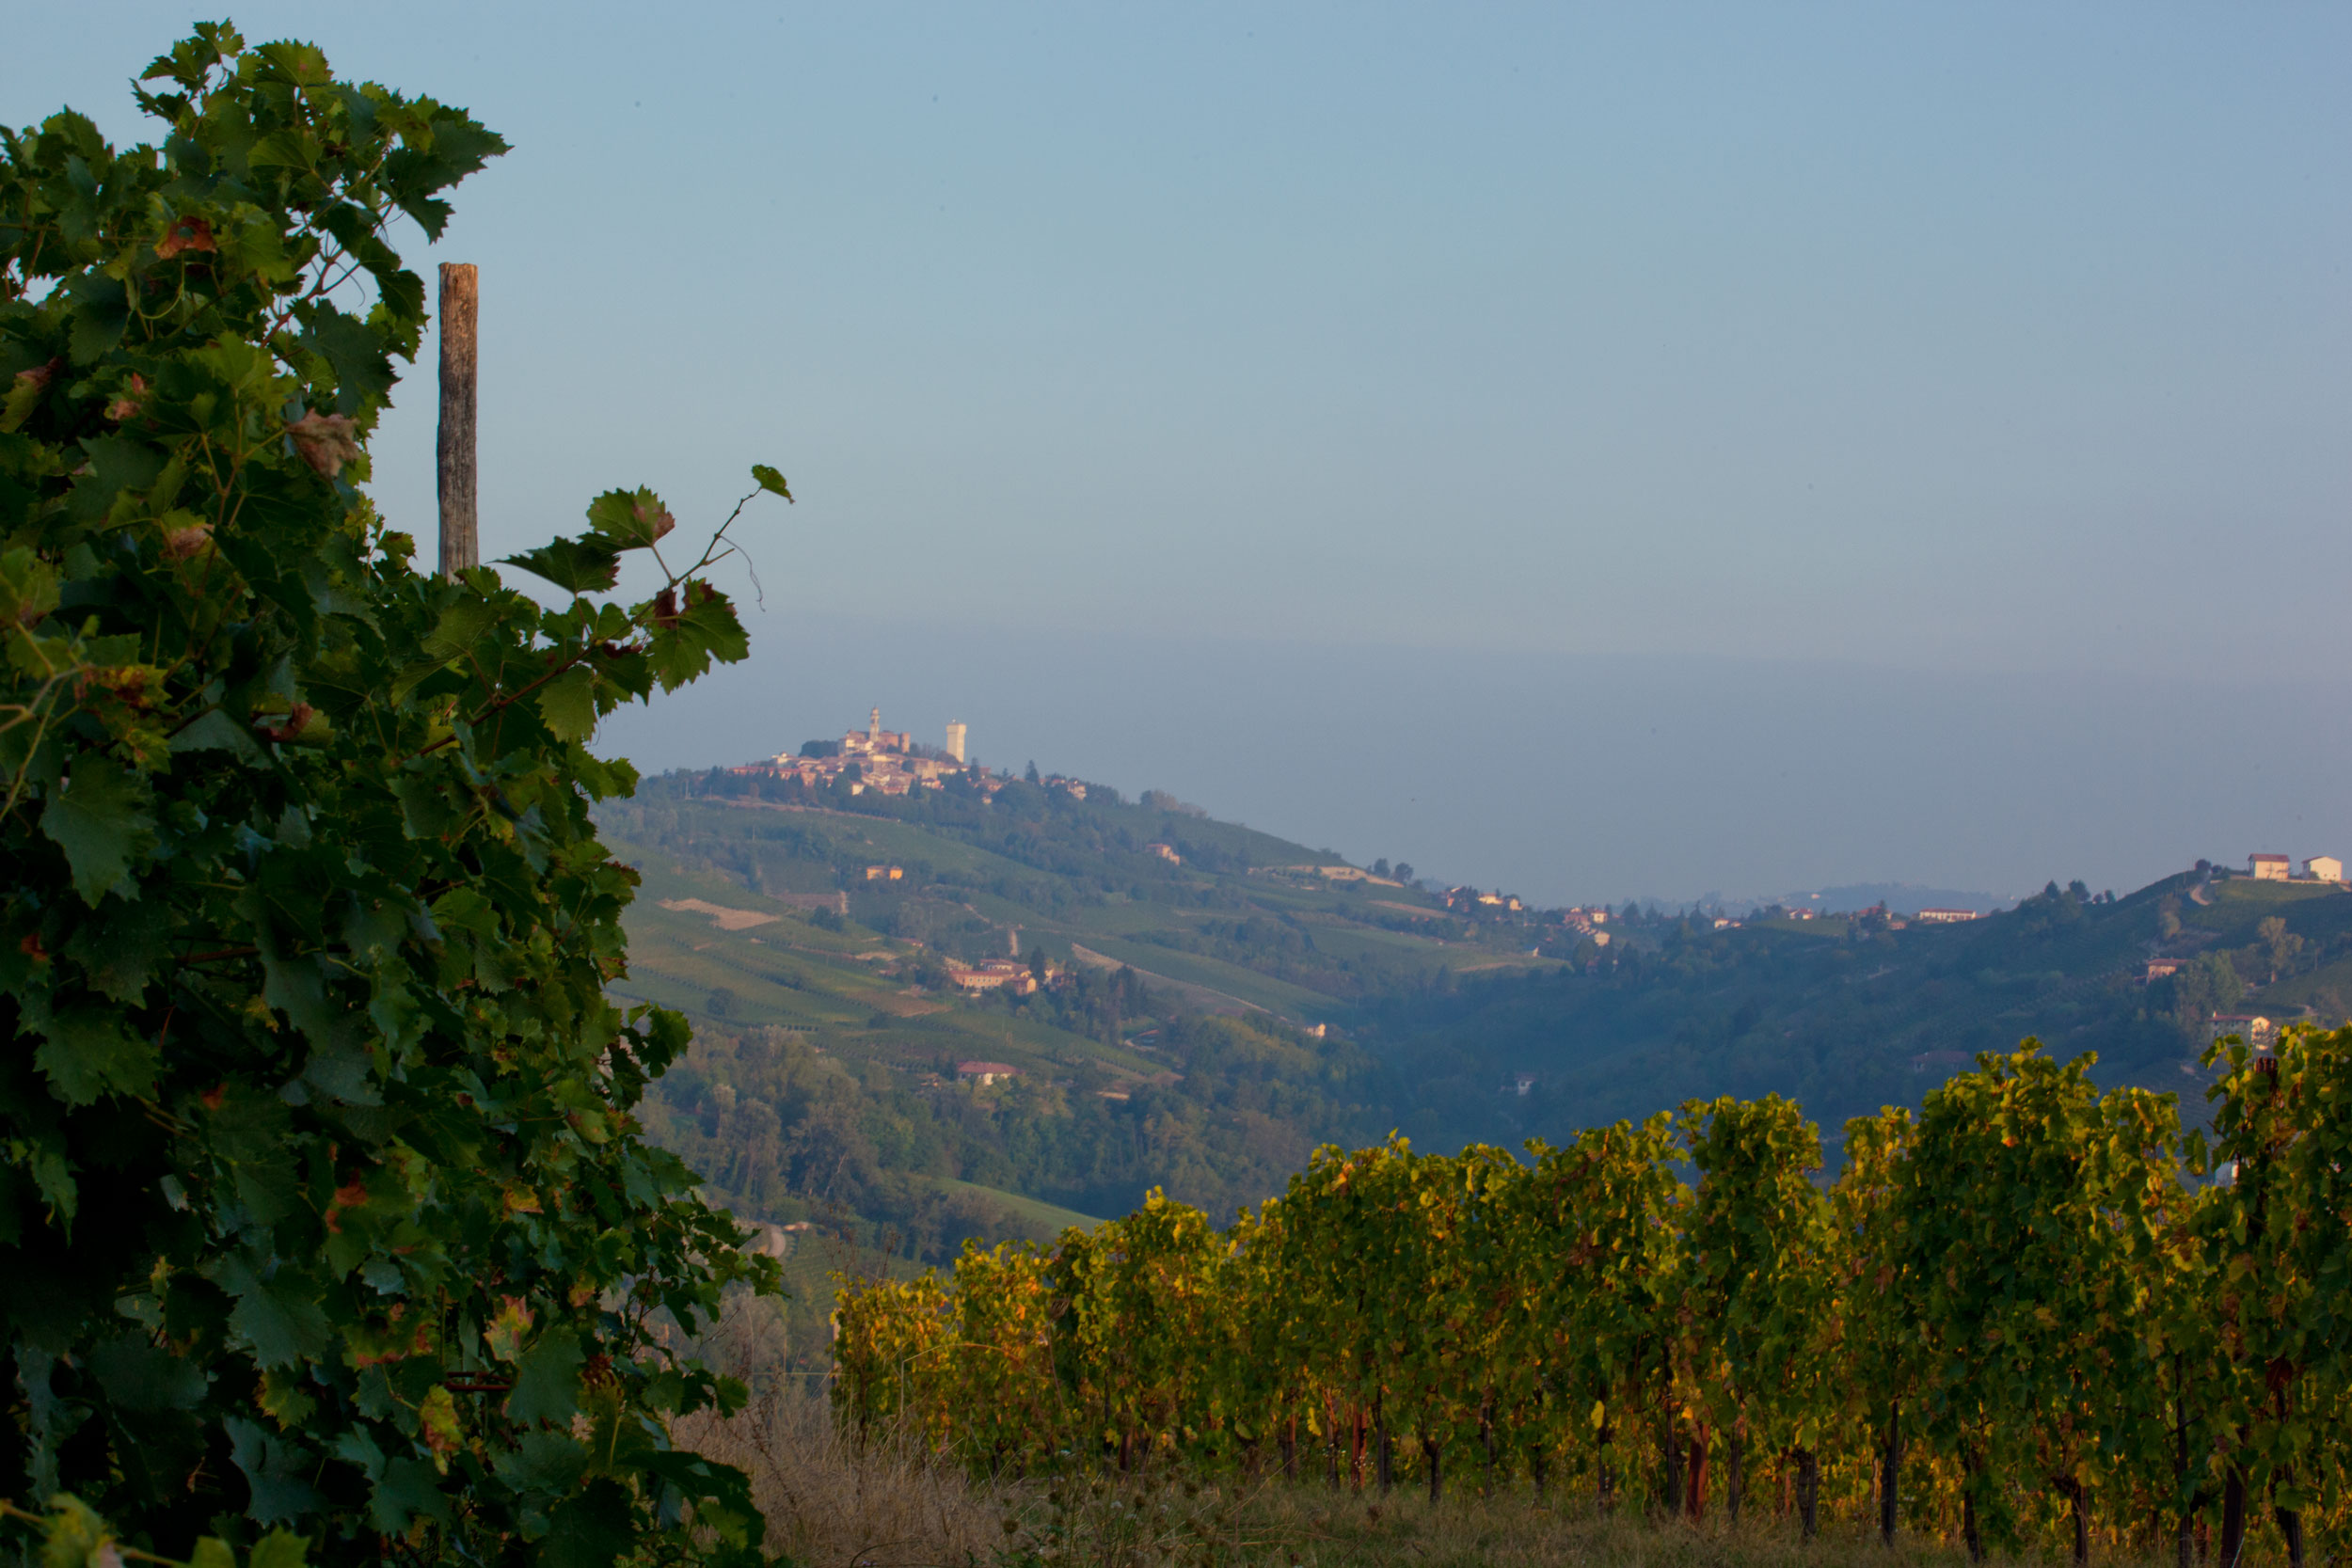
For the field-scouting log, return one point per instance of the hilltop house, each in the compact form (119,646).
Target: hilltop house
(2324,868)
(2268,868)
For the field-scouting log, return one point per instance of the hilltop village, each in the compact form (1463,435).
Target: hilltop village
(893,762)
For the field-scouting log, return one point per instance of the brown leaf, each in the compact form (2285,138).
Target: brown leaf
(182,543)
(127,406)
(654,518)
(188,234)
(297,718)
(665,608)
(326,442)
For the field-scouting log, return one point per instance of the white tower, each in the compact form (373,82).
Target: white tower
(955,739)
(873,729)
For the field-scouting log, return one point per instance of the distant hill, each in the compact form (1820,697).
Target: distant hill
(1220,1001)
(1905,898)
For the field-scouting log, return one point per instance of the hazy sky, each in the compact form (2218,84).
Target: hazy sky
(1972,374)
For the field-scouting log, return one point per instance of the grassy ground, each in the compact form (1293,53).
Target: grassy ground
(831,1504)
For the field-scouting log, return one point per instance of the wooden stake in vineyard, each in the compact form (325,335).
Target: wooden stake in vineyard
(461,538)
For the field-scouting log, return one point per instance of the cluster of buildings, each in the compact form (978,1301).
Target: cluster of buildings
(1471,899)
(892,762)
(2279,868)
(993,974)
(1587,923)
(888,761)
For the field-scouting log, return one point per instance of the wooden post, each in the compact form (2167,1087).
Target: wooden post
(461,538)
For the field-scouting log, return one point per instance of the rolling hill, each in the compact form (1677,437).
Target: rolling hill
(1219,1001)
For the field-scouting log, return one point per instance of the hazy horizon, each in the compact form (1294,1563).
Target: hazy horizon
(1826,444)
(1578,780)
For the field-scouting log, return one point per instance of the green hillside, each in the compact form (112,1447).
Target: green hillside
(1209,1020)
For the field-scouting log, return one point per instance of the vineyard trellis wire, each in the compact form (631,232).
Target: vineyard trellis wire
(2028,1314)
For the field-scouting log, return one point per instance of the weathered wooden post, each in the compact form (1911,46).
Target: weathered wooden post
(461,538)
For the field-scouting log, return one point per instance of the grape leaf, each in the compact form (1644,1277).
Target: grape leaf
(628,519)
(102,820)
(87,1053)
(568,703)
(547,1384)
(574,565)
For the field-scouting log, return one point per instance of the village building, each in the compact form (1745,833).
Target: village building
(2256,1031)
(993,974)
(2268,868)
(2324,868)
(984,1073)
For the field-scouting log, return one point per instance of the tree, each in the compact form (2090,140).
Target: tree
(2278,946)
(324,1203)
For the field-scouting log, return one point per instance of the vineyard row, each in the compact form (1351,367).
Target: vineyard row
(2032,1315)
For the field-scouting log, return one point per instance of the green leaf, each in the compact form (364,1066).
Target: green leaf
(276,1473)
(120,948)
(592,1530)
(707,630)
(549,1463)
(87,1053)
(407,1488)
(576,565)
(141,1376)
(101,310)
(547,1384)
(568,703)
(214,731)
(460,627)
(279,1548)
(425,808)
(363,372)
(103,821)
(628,519)
(275,1314)
(770,481)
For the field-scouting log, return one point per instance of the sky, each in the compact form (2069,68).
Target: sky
(1597,450)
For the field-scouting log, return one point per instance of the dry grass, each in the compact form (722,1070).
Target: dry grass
(894,1505)
(890,1504)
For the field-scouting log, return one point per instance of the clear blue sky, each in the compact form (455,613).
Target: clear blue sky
(1869,348)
